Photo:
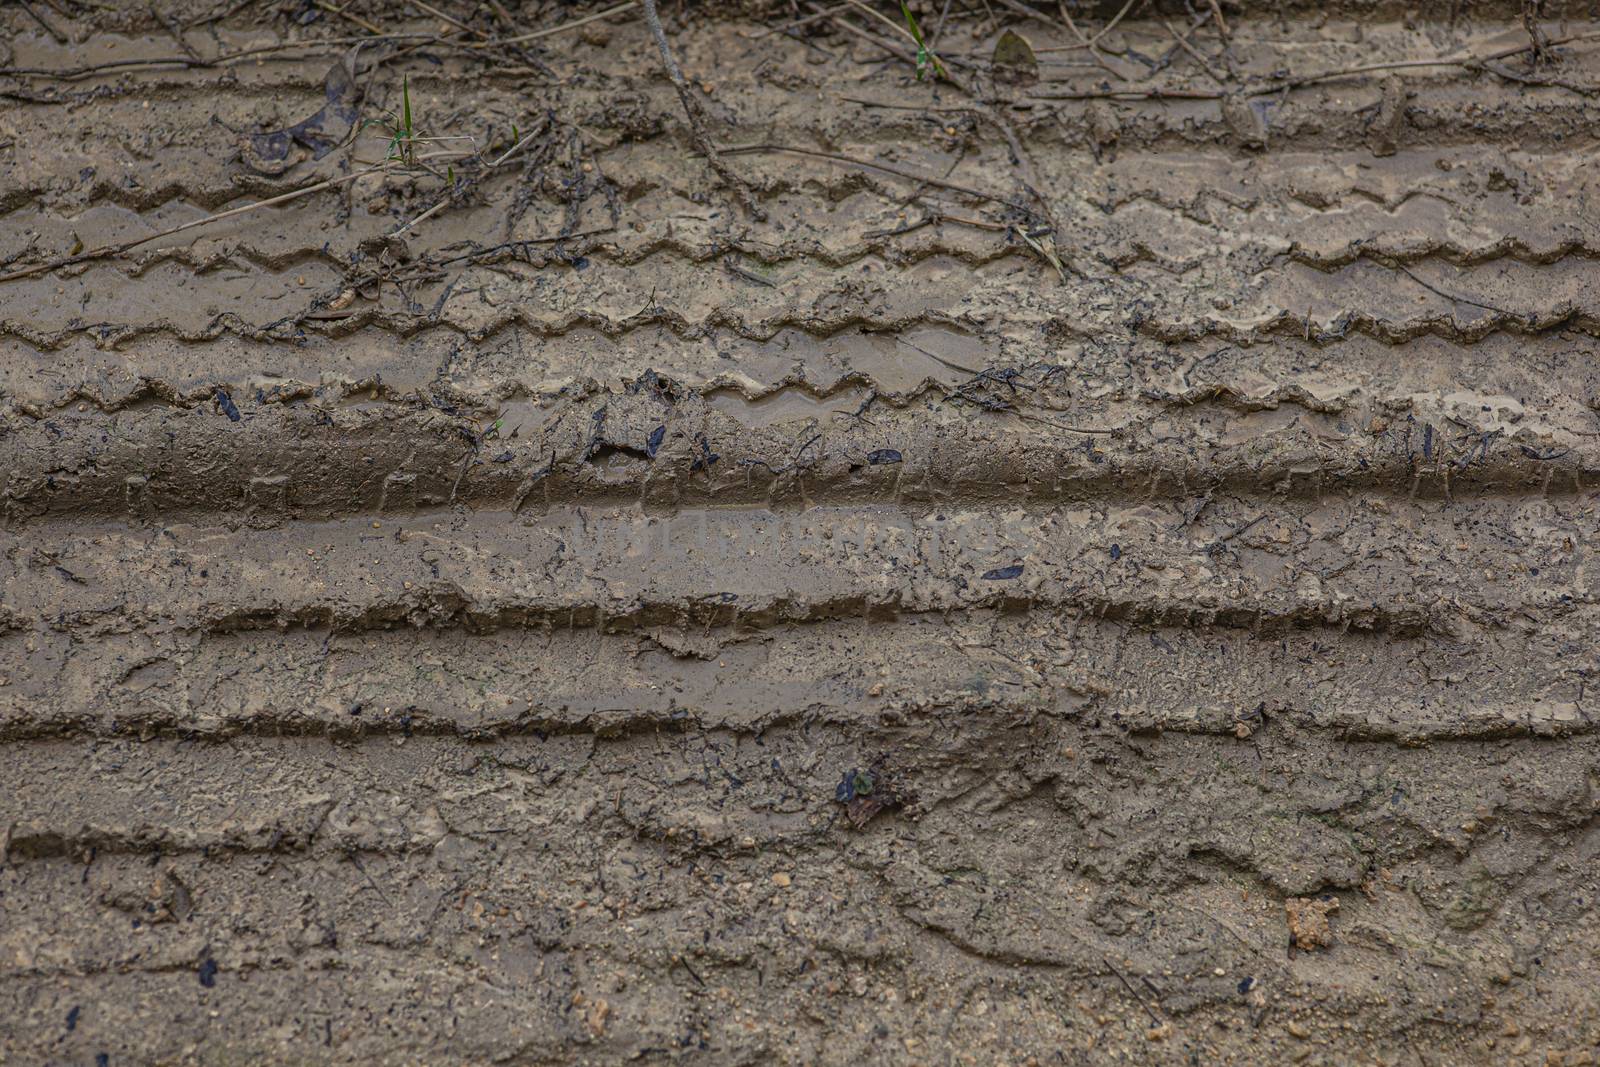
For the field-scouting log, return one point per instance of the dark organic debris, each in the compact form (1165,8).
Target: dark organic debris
(653,445)
(1002,574)
(322,132)
(225,402)
(208,972)
(864,793)
(884,455)
(707,458)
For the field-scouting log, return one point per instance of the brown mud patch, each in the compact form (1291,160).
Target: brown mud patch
(1078,562)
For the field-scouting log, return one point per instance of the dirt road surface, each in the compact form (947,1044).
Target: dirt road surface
(1081,561)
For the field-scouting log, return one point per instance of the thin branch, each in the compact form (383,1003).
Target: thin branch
(870,165)
(565,26)
(1473,63)
(105,251)
(349,17)
(1469,62)
(653,18)
(170,24)
(59,37)
(1130,94)
(79,73)
(902,53)
(1027,12)
(1194,53)
(885,19)
(483,253)
(1127,7)
(1453,298)
(796,24)
(451,19)
(540,131)
(1099,58)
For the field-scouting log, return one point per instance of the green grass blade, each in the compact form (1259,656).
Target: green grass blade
(911,24)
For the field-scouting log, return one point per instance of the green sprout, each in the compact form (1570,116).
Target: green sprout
(925,58)
(401,129)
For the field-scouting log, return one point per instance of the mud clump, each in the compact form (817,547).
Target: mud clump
(1309,927)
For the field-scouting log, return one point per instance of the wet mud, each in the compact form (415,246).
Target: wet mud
(1080,562)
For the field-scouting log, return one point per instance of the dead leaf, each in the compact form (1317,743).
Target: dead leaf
(274,152)
(864,793)
(1014,58)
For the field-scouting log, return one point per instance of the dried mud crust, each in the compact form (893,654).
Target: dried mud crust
(564,616)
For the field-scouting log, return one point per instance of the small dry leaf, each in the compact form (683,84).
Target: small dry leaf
(1014,58)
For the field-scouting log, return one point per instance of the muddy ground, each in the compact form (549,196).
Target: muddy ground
(1083,560)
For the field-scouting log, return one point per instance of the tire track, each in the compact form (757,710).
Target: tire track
(939,619)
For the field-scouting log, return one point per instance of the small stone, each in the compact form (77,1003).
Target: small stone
(1298,1031)
(1158,1033)
(782,880)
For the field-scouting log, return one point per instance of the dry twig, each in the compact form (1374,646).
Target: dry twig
(697,125)
(107,251)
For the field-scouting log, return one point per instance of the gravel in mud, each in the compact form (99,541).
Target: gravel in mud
(1080,562)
